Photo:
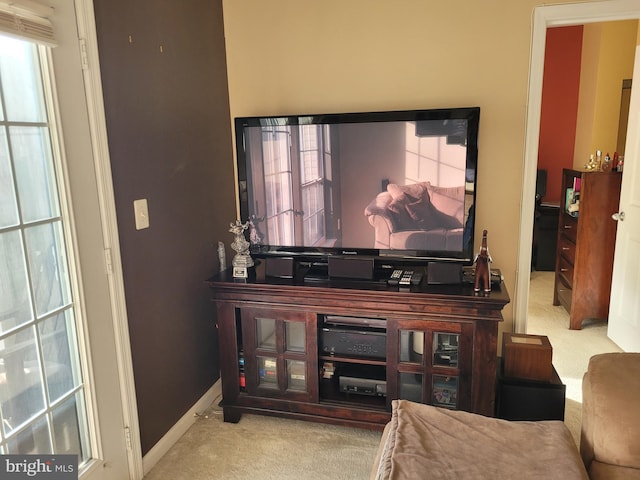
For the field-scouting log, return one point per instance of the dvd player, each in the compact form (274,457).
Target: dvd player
(363,386)
(362,379)
(355,321)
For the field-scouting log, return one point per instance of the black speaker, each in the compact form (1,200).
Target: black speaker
(351,267)
(443,273)
(281,267)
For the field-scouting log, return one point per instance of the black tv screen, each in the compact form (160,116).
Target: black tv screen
(394,185)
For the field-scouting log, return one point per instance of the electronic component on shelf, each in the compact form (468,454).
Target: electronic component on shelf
(360,322)
(354,343)
(468,275)
(363,386)
(362,380)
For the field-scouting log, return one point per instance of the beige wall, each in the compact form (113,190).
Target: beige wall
(608,51)
(292,56)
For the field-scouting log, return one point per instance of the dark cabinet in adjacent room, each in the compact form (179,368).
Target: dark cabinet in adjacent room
(545,237)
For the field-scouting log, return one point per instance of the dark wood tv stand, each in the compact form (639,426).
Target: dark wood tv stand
(313,351)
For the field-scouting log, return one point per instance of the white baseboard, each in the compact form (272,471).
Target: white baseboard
(160,449)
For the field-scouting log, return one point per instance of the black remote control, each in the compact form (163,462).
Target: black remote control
(405,279)
(416,278)
(394,279)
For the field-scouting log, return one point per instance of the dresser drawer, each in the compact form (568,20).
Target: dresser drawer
(564,293)
(567,249)
(565,271)
(569,227)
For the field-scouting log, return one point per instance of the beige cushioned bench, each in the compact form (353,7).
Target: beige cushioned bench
(426,442)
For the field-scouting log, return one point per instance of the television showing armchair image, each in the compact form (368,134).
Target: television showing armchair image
(388,184)
(411,216)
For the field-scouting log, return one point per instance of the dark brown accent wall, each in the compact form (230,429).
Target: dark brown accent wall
(164,78)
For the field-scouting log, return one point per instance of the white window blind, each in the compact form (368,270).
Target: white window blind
(28,20)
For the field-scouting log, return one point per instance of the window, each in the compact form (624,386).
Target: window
(295,165)
(432,158)
(276,157)
(42,407)
(311,182)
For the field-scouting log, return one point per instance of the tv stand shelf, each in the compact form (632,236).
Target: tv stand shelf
(439,347)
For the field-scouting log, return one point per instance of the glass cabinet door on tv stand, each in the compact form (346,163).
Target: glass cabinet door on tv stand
(279,351)
(432,363)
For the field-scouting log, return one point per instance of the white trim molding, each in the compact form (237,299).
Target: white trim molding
(95,104)
(161,448)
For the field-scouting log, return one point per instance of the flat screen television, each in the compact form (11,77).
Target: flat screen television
(398,186)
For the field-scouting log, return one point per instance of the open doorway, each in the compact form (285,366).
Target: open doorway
(546,17)
(585,105)
(569,367)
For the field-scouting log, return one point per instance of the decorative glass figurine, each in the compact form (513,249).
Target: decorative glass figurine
(242,259)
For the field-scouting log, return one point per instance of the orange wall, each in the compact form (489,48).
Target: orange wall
(561,84)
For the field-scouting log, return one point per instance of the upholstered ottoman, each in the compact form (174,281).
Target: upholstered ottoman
(426,442)
(610,438)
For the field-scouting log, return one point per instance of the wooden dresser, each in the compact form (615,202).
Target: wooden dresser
(586,241)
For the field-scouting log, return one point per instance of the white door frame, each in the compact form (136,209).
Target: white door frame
(543,17)
(95,105)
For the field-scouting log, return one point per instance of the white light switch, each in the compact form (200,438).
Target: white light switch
(141,211)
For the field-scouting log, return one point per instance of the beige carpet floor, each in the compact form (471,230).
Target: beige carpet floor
(269,448)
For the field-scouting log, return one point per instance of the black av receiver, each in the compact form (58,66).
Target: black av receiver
(354,337)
